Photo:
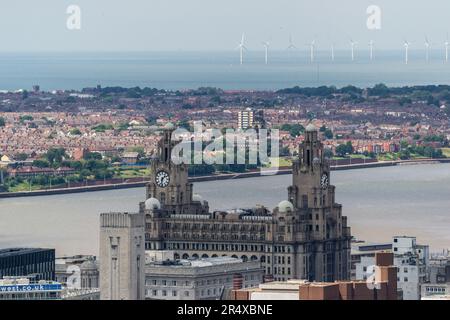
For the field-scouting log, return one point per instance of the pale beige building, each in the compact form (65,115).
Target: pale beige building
(122,256)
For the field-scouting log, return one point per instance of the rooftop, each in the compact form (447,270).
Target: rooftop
(15,251)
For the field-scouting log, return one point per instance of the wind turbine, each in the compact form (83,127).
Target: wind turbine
(371,49)
(406,45)
(332,52)
(266,49)
(312,47)
(241,48)
(291,44)
(446,44)
(427,49)
(353,45)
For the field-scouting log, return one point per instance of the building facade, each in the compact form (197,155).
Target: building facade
(80,272)
(200,279)
(249,118)
(412,261)
(304,237)
(382,287)
(12,288)
(122,256)
(35,263)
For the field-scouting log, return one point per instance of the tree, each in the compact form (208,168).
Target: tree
(296,130)
(328,153)
(41,163)
(21,157)
(350,149)
(139,150)
(55,155)
(341,150)
(344,149)
(328,134)
(93,156)
(75,132)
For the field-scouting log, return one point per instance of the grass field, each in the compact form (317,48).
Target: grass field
(446,152)
(131,173)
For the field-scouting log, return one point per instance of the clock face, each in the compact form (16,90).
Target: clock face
(324,182)
(162,179)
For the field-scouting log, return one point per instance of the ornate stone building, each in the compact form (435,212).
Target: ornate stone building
(304,237)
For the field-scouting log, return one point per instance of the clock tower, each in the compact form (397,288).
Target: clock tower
(169,182)
(313,199)
(311,174)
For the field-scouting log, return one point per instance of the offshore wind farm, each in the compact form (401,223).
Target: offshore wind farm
(259,67)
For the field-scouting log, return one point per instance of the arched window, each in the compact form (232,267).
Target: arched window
(185,256)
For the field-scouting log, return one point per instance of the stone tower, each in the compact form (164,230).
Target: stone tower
(169,182)
(122,256)
(313,199)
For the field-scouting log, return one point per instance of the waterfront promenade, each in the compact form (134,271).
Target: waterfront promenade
(142,181)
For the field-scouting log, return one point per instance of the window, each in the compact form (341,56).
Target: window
(186,293)
(164,293)
(174,293)
(405,279)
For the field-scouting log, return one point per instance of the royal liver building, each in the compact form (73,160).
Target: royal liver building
(304,237)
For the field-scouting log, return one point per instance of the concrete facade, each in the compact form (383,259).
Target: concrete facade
(201,279)
(122,256)
(412,261)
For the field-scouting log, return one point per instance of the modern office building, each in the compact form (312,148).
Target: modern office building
(304,237)
(34,263)
(200,279)
(362,249)
(412,261)
(249,118)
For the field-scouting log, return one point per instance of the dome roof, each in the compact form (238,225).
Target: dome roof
(152,204)
(285,206)
(89,265)
(197,197)
(169,126)
(310,127)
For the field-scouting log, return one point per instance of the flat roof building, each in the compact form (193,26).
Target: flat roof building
(35,263)
(200,279)
(383,286)
(12,288)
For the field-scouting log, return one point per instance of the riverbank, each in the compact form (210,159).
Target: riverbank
(224,176)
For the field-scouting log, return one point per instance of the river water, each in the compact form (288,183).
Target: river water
(379,202)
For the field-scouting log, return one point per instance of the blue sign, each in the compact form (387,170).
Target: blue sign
(31,287)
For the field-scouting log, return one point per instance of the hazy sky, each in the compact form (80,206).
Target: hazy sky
(119,25)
